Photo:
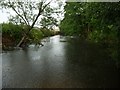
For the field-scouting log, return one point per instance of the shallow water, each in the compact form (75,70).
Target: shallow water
(63,62)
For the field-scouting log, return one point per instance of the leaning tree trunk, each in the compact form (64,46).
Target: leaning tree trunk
(21,41)
(24,37)
(40,11)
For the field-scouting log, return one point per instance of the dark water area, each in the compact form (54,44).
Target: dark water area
(63,62)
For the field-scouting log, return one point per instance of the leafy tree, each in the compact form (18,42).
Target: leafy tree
(85,18)
(25,13)
(96,21)
(48,22)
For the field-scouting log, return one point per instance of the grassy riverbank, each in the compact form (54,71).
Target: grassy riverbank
(12,34)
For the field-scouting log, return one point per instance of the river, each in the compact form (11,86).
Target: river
(63,62)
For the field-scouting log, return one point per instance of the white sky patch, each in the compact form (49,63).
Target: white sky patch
(4,16)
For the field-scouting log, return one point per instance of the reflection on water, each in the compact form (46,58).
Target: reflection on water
(59,64)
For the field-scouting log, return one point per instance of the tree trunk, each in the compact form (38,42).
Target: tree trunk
(40,11)
(30,28)
(22,40)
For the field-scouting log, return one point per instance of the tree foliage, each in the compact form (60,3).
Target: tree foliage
(96,21)
(91,20)
(27,13)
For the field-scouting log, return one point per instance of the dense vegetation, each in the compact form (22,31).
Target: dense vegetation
(97,22)
(27,14)
(11,34)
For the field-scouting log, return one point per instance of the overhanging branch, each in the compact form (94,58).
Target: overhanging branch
(46,5)
(17,13)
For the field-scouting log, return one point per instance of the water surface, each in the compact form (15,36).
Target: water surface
(63,62)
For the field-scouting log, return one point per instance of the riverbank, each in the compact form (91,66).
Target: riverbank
(12,34)
(8,44)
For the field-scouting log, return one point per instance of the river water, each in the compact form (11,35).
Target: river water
(63,62)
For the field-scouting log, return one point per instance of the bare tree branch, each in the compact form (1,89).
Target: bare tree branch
(39,13)
(25,16)
(46,5)
(17,13)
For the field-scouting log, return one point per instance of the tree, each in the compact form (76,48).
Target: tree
(85,18)
(51,17)
(48,22)
(73,23)
(98,22)
(25,13)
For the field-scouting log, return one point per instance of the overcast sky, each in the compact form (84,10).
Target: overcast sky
(4,16)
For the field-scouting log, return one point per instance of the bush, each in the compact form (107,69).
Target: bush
(11,31)
(12,34)
(35,36)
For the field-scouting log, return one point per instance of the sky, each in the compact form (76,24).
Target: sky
(4,15)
